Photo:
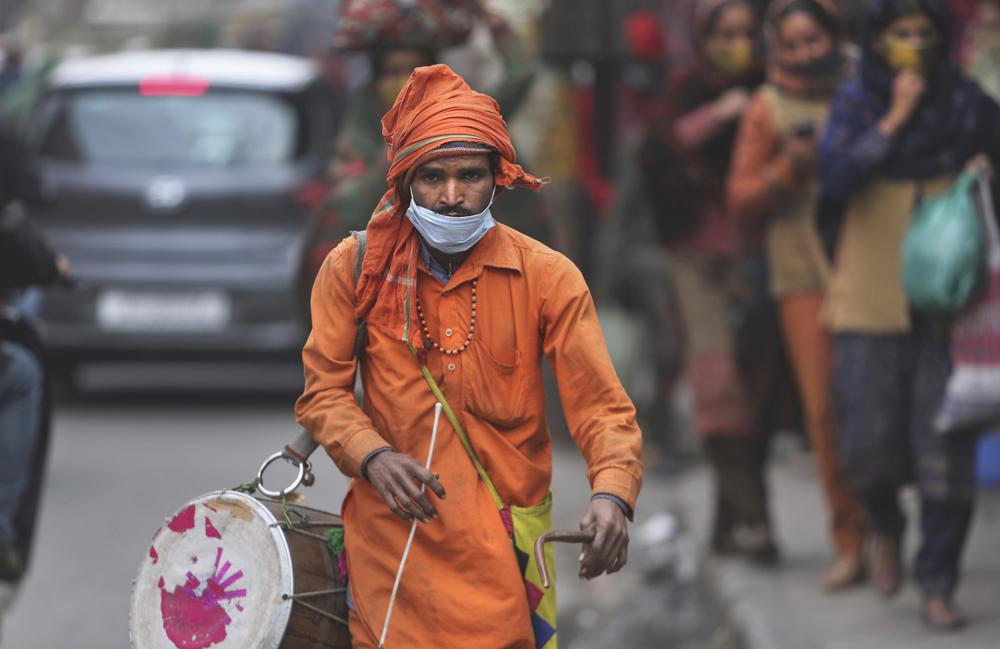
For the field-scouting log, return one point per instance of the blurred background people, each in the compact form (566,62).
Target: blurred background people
(906,127)
(631,282)
(10,67)
(773,180)
(984,47)
(26,260)
(685,163)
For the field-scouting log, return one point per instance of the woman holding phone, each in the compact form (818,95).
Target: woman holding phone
(773,181)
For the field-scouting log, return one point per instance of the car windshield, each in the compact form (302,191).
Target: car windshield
(216,129)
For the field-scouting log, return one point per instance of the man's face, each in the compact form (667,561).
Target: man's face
(454,185)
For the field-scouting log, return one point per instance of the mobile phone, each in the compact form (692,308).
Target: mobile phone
(804,129)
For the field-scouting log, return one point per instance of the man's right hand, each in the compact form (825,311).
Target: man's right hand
(397,478)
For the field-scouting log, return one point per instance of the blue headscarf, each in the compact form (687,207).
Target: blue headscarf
(945,130)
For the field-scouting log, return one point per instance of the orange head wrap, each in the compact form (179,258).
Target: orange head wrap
(434,108)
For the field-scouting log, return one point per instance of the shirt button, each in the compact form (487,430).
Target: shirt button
(451,367)
(448,332)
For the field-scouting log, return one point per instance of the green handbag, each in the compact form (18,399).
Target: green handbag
(943,255)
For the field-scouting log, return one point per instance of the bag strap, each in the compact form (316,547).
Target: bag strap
(988,213)
(361,337)
(459,430)
(304,445)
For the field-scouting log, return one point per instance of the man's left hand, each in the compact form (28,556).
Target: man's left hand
(609,551)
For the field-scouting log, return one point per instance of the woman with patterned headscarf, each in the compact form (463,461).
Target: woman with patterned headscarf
(774,181)
(906,127)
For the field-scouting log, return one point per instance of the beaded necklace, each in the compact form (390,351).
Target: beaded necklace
(430,342)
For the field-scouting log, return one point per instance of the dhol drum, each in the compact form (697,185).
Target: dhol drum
(230,571)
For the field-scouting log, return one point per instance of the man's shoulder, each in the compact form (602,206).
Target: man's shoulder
(340,260)
(534,255)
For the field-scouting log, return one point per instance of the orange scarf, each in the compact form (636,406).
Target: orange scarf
(435,107)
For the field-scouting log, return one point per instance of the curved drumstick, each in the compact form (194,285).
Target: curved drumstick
(560,536)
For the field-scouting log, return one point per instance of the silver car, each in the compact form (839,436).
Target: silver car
(179,184)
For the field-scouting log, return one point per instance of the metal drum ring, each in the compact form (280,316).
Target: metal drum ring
(290,488)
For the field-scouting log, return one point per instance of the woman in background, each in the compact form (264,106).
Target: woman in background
(774,180)
(906,127)
(684,162)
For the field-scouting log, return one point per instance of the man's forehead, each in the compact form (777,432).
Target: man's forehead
(478,160)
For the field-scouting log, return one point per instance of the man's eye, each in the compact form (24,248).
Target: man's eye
(430,178)
(473,175)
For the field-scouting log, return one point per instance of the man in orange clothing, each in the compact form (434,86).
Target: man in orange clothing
(443,286)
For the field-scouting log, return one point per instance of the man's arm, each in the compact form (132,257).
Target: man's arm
(328,408)
(600,415)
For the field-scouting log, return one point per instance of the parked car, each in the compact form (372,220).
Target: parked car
(179,184)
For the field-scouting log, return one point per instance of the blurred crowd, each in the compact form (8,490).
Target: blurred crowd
(736,179)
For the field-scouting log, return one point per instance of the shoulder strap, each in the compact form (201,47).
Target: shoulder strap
(453,420)
(361,236)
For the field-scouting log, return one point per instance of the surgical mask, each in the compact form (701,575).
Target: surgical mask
(733,60)
(900,55)
(450,234)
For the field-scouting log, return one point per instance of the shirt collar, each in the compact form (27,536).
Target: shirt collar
(495,250)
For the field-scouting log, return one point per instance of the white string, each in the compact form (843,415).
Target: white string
(413,531)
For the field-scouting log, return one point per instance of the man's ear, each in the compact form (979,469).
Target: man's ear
(402,191)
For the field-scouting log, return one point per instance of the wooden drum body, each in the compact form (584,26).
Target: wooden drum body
(226,571)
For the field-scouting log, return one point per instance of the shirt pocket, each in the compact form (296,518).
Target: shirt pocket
(494,389)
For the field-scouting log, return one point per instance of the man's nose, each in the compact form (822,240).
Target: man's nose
(451,196)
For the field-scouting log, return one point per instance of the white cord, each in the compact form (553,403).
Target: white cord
(413,531)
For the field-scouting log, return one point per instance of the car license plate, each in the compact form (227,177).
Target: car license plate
(163,312)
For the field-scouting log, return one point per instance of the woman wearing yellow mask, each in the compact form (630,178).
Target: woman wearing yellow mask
(906,127)
(684,161)
(773,182)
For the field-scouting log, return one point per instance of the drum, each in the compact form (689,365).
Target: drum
(230,571)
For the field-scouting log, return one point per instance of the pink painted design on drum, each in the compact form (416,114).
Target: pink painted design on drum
(194,620)
(183,521)
(153,555)
(210,530)
(342,566)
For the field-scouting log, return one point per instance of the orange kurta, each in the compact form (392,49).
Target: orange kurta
(462,586)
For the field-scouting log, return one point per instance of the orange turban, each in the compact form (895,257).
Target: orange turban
(434,108)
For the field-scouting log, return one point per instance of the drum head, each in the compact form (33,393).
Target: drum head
(214,576)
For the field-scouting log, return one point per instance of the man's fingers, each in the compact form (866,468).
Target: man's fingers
(431,480)
(385,491)
(592,562)
(620,558)
(409,495)
(419,499)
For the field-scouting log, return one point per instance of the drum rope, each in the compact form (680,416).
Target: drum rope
(413,531)
(298,597)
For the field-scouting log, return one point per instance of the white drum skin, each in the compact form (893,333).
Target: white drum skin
(216,575)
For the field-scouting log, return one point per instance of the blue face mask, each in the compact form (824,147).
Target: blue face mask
(450,234)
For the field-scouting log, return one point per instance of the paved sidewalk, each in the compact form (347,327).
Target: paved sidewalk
(785,609)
